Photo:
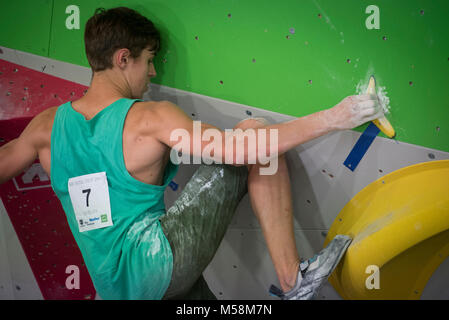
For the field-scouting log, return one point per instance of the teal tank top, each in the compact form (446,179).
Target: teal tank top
(131,259)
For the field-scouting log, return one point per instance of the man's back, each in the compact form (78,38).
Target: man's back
(112,215)
(145,157)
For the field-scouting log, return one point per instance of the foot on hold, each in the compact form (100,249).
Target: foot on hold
(315,271)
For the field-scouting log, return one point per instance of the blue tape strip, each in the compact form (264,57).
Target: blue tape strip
(361,146)
(173,185)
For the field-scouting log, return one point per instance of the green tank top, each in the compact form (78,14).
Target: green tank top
(131,259)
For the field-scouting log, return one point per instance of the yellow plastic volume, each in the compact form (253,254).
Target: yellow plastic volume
(400,230)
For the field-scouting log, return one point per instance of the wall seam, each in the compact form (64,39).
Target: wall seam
(51,26)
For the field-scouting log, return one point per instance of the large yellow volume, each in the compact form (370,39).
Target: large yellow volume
(382,123)
(400,230)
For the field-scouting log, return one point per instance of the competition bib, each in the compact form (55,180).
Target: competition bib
(90,200)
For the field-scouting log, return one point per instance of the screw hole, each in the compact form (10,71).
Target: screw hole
(249,112)
(384,38)
(431,156)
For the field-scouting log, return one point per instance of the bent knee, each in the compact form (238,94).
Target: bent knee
(256,122)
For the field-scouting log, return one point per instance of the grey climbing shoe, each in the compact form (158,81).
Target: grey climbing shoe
(316,271)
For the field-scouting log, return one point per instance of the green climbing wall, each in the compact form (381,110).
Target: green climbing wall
(293,57)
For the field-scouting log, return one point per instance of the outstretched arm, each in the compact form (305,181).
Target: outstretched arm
(349,113)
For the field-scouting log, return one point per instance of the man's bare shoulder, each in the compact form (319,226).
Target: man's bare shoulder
(45,120)
(160,108)
(38,132)
(156,114)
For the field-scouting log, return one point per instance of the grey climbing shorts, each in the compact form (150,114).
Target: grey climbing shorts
(196,224)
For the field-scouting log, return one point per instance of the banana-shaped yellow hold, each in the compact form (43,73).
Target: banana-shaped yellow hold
(382,123)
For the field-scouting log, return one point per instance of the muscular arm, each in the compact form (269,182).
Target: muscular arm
(20,153)
(349,113)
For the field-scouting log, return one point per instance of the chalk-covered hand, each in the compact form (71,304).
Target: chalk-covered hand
(354,111)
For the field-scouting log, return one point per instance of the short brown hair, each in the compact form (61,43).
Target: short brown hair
(109,30)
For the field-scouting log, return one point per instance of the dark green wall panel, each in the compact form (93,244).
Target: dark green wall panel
(25,25)
(296,57)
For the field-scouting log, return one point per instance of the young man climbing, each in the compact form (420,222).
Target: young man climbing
(108,156)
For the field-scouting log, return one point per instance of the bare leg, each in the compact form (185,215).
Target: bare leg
(271,201)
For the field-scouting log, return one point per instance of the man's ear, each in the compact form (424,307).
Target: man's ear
(121,58)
